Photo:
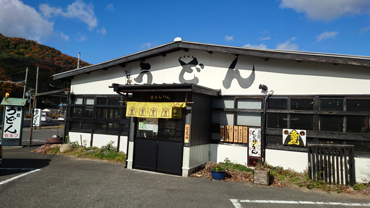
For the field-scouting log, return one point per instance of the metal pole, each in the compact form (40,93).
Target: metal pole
(31,125)
(78,61)
(25,83)
(37,81)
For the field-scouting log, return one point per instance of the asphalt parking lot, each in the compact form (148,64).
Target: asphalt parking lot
(34,180)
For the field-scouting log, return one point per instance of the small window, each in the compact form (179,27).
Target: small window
(226,118)
(87,112)
(358,105)
(89,101)
(86,126)
(79,101)
(249,103)
(277,120)
(358,124)
(101,100)
(278,103)
(248,119)
(331,123)
(301,104)
(76,112)
(331,104)
(301,121)
(74,125)
(223,103)
(113,127)
(100,127)
(113,113)
(113,100)
(101,113)
(274,140)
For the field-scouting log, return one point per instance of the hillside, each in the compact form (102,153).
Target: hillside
(16,54)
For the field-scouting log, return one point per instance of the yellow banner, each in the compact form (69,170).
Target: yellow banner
(154,109)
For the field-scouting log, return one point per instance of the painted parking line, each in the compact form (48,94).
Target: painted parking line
(237,203)
(19,176)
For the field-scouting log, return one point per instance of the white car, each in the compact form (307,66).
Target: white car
(61,118)
(45,118)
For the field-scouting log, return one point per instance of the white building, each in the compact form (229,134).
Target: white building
(325,97)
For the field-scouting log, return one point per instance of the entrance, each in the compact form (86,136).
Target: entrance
(159,145)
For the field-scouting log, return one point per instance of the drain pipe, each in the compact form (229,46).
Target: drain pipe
(264,141)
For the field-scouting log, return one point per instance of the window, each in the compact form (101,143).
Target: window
(331,123)
(358,105)
(243,103)
(301,104)
(358,124)
(278,103)
(301,121)
(331,104)
(248,119)
(277,120)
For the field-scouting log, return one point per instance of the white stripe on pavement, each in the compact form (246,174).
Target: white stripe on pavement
(19,176)
(237,202)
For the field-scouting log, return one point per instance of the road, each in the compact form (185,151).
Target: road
(34,180)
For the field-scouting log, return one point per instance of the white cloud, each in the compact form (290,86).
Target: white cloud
(78,9)
(102,31)
(81,37)
(265,38)
(148,45)
(110,7)
(327,10)
(326,35)
(20,20)
(261,46)
(287,45)
(65,37)
(229,38)
(365,29)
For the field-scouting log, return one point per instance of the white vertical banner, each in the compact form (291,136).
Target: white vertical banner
(36,117)
(12,122)
(254,142)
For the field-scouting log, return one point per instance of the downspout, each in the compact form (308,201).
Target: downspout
(264,141)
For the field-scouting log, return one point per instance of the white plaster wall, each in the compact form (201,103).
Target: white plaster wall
(296,161)
(76,137)
(98,82)
(362,166)
(100,140)
(283,76)
(236,154)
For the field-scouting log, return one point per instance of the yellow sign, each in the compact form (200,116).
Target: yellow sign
(154,109)
(187,134)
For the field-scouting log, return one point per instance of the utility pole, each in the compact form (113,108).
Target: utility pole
(34,105)
(78,61)
(25,83)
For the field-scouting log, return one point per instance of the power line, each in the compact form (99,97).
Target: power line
(14,73)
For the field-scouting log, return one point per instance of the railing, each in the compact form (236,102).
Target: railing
(335,164)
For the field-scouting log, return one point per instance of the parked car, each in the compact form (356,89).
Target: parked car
(61,118)
(45,117)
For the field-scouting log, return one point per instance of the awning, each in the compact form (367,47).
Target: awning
(14,101)
(155,109)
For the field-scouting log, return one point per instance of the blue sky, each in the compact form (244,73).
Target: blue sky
(104,30)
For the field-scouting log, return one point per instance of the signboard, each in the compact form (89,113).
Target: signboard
(294,137)
(245,134)
(187,134)
(12,124)
(231,133)
(254,142)
(149,124)
(226,133)
(36,117)
(240,134)
(236,134)
(154,109)
(222,133)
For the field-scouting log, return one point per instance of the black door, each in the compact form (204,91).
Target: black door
(159,148)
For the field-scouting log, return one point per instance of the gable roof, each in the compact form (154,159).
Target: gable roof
(185,45)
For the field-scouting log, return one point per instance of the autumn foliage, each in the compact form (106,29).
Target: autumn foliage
(16,54)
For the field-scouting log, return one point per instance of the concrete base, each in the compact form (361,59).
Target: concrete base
(261,177)
(188,172)
(129,164)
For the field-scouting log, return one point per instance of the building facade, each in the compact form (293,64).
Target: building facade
(237,103)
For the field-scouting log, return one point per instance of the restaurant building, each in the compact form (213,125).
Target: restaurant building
(174,107)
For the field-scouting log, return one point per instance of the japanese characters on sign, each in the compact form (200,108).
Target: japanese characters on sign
(12,122)
(187,134)
(36,117)
(294,137)
(255,142)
